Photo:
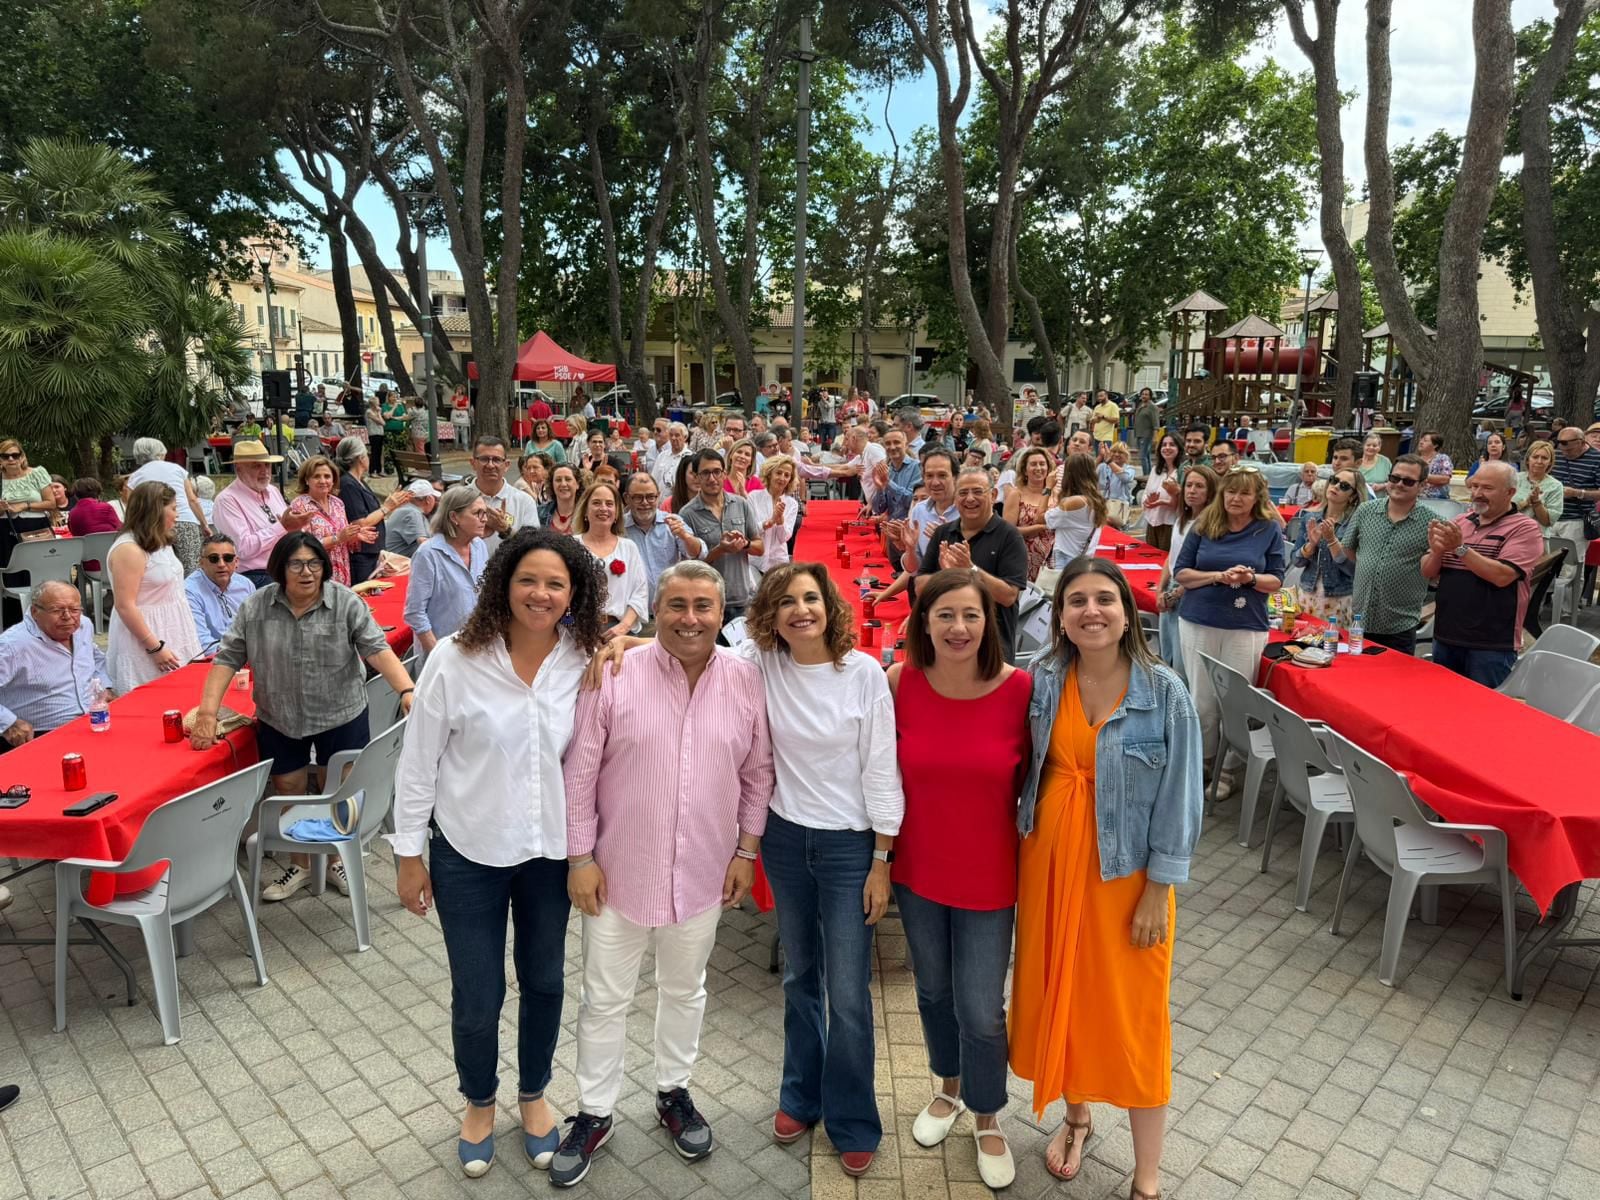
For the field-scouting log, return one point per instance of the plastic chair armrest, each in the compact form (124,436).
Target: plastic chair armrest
(333,775)
(271,811)
(91,864)
(1492,836)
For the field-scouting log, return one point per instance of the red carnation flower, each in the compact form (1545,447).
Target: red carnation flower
(618,567)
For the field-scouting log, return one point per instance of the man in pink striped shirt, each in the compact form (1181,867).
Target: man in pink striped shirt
(668,777)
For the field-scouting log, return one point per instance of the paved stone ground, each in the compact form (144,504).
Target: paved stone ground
(1297,1073)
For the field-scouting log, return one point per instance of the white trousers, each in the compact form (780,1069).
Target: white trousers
(1238,648)
(613,947)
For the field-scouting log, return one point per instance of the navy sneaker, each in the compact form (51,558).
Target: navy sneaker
(571,1160)
(691,1136)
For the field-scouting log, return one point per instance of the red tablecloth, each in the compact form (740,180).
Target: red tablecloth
(1139,556)
(133,760)
(1288,512)
(1472,755)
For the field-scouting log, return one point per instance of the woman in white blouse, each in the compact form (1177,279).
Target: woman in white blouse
(599,528)
(835,812)
(830,835)
(775,510)
(1163,493)
(1076,511)
(479,785)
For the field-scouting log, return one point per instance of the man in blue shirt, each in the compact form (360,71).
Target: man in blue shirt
(896,479)
(662,538)
(216,590)
(48,664)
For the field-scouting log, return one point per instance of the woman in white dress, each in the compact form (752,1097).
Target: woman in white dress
(152,630)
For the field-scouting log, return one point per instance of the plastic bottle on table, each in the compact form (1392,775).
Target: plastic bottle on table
(1330,636)
(99,705)
(1357,636)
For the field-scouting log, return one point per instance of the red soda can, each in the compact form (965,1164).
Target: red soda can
(74,775)
(172,725)
(868,604)
(1122,549)
(869,633)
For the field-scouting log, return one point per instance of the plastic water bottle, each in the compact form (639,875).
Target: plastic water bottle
(99,706)
(1357,636)
(1330,636)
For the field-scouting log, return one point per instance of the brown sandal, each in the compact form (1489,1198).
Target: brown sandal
(1072,1139)
(1135,1194)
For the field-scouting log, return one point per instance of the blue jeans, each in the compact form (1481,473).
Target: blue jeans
(1488,667)
(817,878)
(959,957)
(1145,448)
(473,900)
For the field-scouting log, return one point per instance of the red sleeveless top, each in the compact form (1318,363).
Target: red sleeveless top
(962,763)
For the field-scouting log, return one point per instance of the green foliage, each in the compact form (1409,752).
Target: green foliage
(100,329)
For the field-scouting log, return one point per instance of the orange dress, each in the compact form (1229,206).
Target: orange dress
(1089,1014)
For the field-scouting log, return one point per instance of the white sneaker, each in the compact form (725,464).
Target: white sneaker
(294,878)
(338,878)
(929,1129)
(5,896)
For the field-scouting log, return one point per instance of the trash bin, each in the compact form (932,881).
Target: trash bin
(1311,445)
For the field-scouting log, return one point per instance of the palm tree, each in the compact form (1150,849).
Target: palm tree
(100,331)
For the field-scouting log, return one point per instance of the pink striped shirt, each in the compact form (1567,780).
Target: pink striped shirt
(661,781)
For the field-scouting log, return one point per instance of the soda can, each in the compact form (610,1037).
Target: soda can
(242,679)
(1122,550)
(74,775)
(869,602)
(172,725)
(869,633)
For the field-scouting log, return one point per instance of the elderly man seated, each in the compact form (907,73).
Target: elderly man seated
(216,590)
(48,665)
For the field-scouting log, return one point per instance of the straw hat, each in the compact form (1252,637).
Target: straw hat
(252,451)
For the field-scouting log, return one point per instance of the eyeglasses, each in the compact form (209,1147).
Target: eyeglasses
(491,462)
(710,472)
(305,566)
(17,791)
(220,558)
(63,611)
(10,454)
(1403,481)
(1566,441)
(1343,486)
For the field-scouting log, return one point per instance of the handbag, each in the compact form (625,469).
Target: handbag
(1117,514)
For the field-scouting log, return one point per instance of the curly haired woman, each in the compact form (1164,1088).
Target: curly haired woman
(479,784)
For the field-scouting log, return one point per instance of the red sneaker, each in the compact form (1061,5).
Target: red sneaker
(785,1129)
(856,1162)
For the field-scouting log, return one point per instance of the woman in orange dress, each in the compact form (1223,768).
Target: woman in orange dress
(1109,815)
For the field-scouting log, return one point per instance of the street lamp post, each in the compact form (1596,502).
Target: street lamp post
(419,202)
(263,257)
(1310,256)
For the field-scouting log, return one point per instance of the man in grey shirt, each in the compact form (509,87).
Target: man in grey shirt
(729,530)
(408,527)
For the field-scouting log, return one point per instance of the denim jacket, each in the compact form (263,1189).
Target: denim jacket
(1338,575)
(1148,793)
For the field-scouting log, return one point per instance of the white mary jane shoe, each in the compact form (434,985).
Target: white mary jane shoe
(930,1130)
(996,1170)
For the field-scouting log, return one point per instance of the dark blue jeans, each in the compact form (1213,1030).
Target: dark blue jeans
(817,877)
(473,901)
(959,957)
(1488,667)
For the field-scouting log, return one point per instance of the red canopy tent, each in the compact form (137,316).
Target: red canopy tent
(540,359)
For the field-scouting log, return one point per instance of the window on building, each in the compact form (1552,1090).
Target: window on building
(261,317)
(1023,371)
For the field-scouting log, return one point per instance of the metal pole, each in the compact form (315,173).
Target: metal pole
(1305,330)
(272,365)
(802,164)
(425,320)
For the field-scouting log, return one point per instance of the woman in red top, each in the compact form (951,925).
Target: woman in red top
(955,868)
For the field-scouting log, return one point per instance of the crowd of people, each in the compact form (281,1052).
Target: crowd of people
(627,690)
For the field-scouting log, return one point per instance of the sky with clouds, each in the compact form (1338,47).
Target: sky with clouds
(1431,54)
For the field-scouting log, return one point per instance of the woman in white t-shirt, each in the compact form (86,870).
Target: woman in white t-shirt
(1077,510)
(835,812)
(775,510)
(192,528)
(1163,494)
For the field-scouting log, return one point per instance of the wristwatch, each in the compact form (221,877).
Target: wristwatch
(883,856)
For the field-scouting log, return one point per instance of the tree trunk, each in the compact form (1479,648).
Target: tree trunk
(343,296)
(1448,368)
(1330,143)
(1041,333)
(1568,326)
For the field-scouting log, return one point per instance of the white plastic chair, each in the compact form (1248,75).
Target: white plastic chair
(1243,727)
(383,703)
(1552,683)
(1569,640)
(41,561)
(1443,507)
(96,548)
(1566,590)
(1311,782)
(366,793)
(197,835)
(1415,852)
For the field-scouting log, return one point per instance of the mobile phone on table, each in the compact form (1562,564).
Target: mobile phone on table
(13,800)
(89,804)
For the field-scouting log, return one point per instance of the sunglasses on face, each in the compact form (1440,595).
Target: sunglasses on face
(1343,486)
(9,455)
(1403,481)
(220,558)
(1572,441)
